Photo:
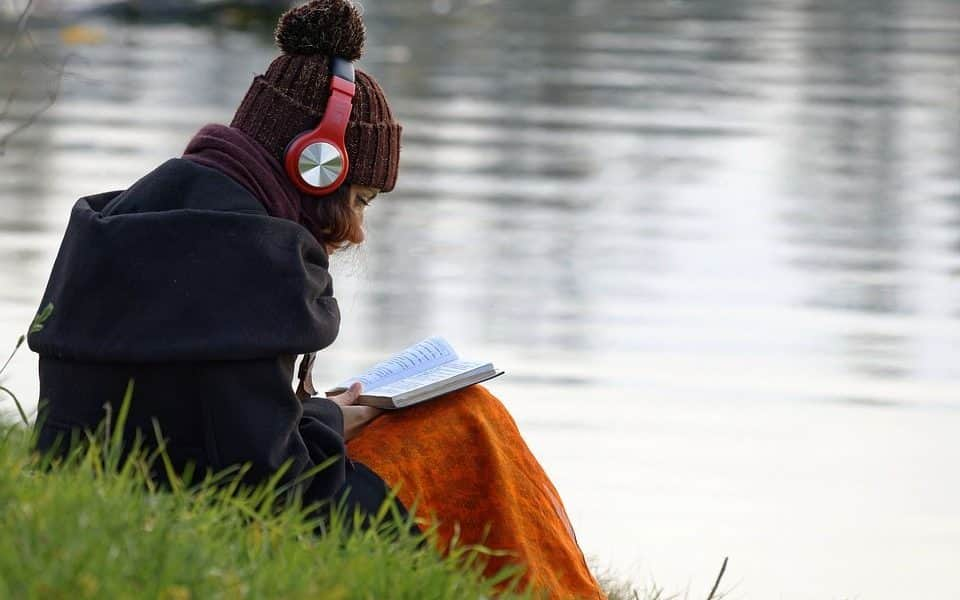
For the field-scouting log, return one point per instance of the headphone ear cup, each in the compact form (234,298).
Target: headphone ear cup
(316,161)
(315,164)
(292,173)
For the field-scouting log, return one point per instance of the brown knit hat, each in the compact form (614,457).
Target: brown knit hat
(291,96)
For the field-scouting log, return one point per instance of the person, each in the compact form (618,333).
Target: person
(206,281)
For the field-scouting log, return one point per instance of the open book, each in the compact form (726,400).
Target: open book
(423,371)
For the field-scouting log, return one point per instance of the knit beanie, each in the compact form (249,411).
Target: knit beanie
(291,96)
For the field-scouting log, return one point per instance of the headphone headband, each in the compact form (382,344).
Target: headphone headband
(342,68)
(316,161)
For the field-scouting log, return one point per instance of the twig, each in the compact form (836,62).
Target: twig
(48,62)
(21,27)
(51,100)
(22,31)
(716,584)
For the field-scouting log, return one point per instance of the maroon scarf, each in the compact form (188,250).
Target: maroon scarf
(240,157)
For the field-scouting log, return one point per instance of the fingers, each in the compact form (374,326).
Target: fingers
(354,392)
(350,396)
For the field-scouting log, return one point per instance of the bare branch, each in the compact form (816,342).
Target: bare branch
(51,100)
(21,27)
(22,31)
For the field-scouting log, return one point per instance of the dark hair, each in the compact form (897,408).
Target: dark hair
(339,223)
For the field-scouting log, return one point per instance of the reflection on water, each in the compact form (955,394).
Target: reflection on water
(714,244)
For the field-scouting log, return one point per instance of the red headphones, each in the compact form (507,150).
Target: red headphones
(316,161)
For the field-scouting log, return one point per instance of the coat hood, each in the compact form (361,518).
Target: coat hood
(185,265)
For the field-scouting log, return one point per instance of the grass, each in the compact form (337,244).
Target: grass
(618,588)
(97,526)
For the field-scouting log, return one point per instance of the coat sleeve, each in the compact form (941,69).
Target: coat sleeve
(252,415)
(321,417)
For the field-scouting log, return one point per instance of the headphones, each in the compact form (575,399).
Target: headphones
(316,161)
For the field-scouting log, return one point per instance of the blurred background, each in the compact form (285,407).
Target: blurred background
(715,244)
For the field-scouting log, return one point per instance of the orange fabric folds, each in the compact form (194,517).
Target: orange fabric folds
(462,462)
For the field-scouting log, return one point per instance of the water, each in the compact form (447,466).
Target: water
(714,244)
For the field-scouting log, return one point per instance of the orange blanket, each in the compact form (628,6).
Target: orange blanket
(462,462)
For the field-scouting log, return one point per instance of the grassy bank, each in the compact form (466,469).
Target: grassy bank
(94,526)
(97,527)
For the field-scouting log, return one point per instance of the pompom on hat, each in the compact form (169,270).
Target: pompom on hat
(291,96)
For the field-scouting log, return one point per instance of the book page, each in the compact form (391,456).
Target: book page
(425,378)
(418,358)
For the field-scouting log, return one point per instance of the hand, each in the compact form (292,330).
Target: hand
(355,416)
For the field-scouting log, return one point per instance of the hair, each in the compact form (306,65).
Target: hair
(339,223)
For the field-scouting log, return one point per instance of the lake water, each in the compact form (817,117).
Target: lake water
(714,244)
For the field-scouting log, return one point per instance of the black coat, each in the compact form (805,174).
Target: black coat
(185,285)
